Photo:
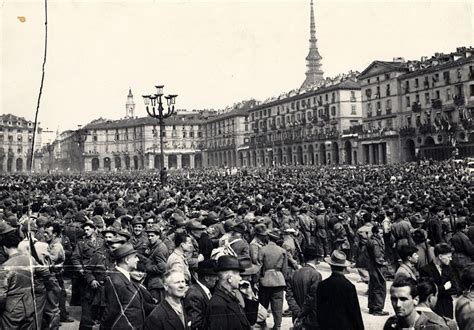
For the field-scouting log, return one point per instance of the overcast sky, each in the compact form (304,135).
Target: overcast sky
(212,53)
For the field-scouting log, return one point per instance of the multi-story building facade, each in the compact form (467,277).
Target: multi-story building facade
(417,109)
(226,134)
(16,134)
(437,107)
(304,127)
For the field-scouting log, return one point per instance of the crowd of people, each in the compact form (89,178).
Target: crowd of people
(212,249)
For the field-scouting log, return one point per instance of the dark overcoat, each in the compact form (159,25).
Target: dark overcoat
(196,304)
(163,317)
(338,305)
(225,312)
(126,303)
(444,306)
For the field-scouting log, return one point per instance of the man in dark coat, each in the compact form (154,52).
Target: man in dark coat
(225,312)
(126,302)
(170,313)
(336,298)
(443,275)
(301,290)
(198,297)
(377,282)
(154,261)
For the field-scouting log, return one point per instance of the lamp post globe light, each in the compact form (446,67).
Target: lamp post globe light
(155,109)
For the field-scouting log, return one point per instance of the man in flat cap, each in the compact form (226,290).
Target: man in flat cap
(127,303)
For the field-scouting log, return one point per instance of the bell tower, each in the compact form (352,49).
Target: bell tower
(130,105)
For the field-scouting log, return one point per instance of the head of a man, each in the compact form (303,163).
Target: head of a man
(129,262)
(427,292)
(108,236)
(404,297)
(153,237)
(174,283)
(230,279)
(89,230)
(150,223)
(183,241)
(52,231)
(409,254)
(443,253)
(137,229)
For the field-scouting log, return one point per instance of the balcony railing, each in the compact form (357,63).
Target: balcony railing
(388,111)
(407,131)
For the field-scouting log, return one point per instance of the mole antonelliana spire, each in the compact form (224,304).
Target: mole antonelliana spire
(314,74)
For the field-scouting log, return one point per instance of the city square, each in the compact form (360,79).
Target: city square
(237,165)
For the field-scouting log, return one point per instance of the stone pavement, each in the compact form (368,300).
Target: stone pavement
(370,321)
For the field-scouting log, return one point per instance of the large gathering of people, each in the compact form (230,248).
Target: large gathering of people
(221,249)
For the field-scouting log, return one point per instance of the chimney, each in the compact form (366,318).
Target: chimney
(398,60)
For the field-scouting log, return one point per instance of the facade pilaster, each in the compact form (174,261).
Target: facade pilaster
(179,161)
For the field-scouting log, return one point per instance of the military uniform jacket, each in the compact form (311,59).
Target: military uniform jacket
(274,263)
(16,295)
(84,251)
(155,264)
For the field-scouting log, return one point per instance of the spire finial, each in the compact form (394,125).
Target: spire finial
(314,74)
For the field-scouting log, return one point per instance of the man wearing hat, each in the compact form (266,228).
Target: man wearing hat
(90,246)
(377,283)
(154,261)
(301,290)
(336,298)
(139,238)
(201,242)
(198,297)
(258,242)
(274,261)
(127,303)
(237,241)
(225,311)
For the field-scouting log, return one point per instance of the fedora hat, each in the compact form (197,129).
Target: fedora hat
(195,225)
(207,267)
(125,234)
(110,229)
(249,267)
(311,252)
(227,262)
(261,230)
(123,251)
(154,229)
(274,234)
(5,228)
(211,219)
(338,258)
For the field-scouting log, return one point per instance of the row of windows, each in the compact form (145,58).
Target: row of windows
(18,123)
(19,138)
(436,78)
(297,105)
(447,96)
(19,131)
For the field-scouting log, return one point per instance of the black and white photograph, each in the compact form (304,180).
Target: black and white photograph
(236,164)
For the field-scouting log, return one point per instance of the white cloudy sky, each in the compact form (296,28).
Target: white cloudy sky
(212,53)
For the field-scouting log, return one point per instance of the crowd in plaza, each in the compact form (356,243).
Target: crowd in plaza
(220,249)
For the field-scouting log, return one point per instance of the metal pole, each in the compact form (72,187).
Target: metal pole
(162,155)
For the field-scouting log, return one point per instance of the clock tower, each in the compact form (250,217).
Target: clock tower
(130,105)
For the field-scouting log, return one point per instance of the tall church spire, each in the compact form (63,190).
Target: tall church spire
(314,74)
(130,105)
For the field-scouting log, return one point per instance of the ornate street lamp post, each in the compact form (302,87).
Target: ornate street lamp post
(154,108)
